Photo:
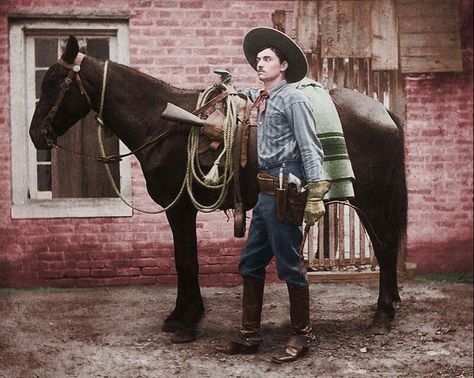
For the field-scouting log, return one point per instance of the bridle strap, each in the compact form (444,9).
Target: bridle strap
(76,68)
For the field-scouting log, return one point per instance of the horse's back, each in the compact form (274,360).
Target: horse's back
(359,109)
(374,142)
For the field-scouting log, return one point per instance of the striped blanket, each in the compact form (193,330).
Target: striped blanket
(337,166)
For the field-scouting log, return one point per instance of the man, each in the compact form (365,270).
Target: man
(286,143)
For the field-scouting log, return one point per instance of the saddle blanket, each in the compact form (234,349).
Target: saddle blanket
(337,166)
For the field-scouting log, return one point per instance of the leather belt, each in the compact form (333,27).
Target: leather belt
(268,184)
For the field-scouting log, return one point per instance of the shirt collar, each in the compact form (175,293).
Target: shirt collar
(273,92)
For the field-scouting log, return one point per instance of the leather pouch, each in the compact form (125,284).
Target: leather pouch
(296,205)
(282,204)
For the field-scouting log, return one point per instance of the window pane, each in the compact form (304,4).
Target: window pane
(46,52)
(44,178)
(98,48)
(39,76)
(43,155)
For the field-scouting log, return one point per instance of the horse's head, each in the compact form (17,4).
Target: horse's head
(63,100)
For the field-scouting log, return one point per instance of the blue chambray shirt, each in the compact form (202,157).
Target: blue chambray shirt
(286,131)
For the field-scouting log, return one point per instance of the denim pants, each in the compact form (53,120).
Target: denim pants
(268,238)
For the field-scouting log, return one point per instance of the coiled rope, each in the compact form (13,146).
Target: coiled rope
(211,180)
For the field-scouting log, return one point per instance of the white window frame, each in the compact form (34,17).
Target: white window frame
(22,105)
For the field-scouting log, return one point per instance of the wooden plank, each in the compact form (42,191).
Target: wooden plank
(397,94)
(431,64)
(361,75)
(294,19)
(362,243)
(332,233)
(307,29)
(340,72)
(345,31)
(352,236)
(321,243)
(384,35)
(427,25)
(327,263)
(311,247)
(380,87)
(429,36)
(314,66)
(330,73)
(340,276)
(448,40)
(428,51)
(426,8)
(370,82)
(350,74)
(341,233)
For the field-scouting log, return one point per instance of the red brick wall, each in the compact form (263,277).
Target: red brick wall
(439,164)
(163,36)
(439,167)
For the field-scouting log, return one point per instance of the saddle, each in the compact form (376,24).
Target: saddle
(244,185)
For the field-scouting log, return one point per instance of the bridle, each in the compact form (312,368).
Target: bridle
(47,130)
(50,135)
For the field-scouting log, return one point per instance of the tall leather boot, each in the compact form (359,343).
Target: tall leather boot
(248,339)
(299,343)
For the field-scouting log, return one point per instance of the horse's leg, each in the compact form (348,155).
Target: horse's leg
(384,232)
(189,305)
(383,218)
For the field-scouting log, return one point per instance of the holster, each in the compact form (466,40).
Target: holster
(288,201)
(296,205)
(282,201)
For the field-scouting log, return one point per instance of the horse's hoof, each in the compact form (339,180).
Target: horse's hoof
(170,326)
(183,335)
(380,328)
(384,316)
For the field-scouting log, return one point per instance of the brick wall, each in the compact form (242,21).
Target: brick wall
(439,164)
(180,42)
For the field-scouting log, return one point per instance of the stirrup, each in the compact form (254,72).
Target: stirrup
(296,347)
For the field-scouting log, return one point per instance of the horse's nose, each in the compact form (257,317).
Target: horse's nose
(36,134)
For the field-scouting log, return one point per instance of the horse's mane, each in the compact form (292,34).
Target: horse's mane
(148,95)
(144,78)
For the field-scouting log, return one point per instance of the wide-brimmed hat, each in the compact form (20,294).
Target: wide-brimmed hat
(259,38)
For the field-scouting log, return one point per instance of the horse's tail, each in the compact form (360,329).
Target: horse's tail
(398,185)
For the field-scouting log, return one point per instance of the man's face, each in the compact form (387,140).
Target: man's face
(269,66)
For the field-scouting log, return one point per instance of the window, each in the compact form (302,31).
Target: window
(49,184)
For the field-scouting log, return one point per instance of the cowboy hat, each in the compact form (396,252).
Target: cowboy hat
(260,38)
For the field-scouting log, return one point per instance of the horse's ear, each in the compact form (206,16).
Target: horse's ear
(72,49)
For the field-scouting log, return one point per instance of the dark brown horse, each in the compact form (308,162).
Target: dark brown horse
(132,108)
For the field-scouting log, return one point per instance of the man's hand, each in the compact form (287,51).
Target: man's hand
(314,204)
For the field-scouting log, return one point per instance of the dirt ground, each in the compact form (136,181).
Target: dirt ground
(115,332)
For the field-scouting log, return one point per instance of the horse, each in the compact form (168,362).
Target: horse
(375,148)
